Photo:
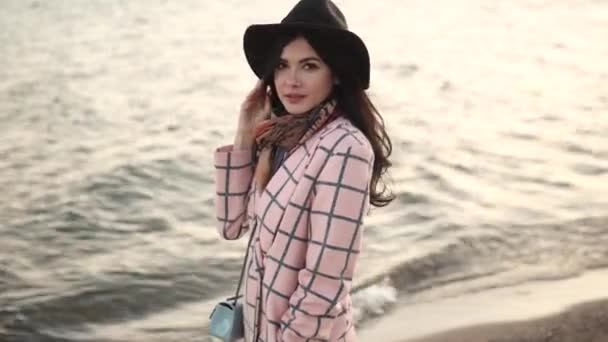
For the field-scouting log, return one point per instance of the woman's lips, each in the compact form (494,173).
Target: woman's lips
(294,98)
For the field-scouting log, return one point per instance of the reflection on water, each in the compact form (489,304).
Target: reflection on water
(110,111)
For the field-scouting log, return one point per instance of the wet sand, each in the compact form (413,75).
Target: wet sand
(574,309)
(586,322)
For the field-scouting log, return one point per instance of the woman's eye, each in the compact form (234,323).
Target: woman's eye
(310,66)
(281,66)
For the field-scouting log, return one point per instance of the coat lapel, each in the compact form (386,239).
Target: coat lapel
(271,204)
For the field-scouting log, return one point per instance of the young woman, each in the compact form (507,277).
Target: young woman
(305,167)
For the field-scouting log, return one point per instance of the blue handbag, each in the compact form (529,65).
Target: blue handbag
(226,319)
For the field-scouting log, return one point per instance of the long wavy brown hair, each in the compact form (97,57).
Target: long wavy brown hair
(352,100)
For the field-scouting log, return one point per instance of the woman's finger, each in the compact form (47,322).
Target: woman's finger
(255,90)
(266,104)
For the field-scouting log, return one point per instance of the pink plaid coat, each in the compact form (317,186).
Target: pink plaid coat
(309,222)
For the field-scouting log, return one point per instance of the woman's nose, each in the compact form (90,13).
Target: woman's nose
(293,78)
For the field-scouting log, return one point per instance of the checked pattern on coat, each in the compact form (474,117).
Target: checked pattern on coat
(310,221)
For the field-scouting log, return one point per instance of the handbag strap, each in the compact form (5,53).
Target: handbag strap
(255,224)
(238,288)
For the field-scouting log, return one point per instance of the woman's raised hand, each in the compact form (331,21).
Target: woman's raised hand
(254,109)
(256,106)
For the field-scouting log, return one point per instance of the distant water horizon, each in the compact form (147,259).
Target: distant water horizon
(110,113)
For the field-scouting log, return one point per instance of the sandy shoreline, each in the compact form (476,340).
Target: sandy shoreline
(586,322)
(574,309)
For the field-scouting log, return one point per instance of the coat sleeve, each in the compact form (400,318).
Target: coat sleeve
(233,175)
(340,200)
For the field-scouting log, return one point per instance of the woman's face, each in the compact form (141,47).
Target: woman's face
(302,79)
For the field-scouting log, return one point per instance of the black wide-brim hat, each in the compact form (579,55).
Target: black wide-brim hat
(321,16)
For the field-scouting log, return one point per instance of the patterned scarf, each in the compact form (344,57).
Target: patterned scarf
(278,136)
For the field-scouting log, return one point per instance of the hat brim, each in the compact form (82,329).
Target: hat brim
(259,41)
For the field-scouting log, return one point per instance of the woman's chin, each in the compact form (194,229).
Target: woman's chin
(297,109)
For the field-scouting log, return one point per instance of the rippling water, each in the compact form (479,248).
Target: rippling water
(110,111)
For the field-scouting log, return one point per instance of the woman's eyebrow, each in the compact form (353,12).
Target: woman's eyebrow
(309,59)
(303,60)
